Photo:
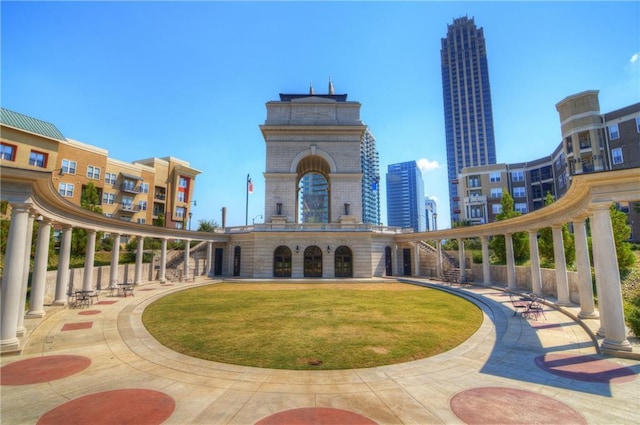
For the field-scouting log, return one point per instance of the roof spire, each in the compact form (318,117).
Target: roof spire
(311,90)
(331,89)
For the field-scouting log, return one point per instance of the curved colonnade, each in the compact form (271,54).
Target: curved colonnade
(31,194)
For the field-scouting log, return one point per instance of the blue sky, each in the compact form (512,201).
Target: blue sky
(190,80)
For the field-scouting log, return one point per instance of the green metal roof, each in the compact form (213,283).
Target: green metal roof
(33,125)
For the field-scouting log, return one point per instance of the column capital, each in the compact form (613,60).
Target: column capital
(600,206)
(557,225)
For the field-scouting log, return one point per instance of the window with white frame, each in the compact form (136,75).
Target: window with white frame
(66,189)
(496,208)
(68,166)
(616,156)
(7,152)
(108,198)
(180,212)
(144,187)
(142,221)
(93,172)
(39,159)
(519,192)
(110,178)
(496,192)
(614,133)
(494,177)
(108,215)
(517,176)
(142,205)
(520,207)
(182,196)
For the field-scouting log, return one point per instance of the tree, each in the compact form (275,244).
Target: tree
(520,239)
(545,241)
(621,233)
(207,225)
(89,200)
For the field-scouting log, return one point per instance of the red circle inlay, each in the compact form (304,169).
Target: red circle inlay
(123,407)
(494,405)
(586,368)
(315,416)
(42,369)
(89,312)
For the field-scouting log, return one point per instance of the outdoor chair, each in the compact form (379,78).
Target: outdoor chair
(520,306)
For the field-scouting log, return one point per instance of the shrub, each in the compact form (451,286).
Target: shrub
(631,298)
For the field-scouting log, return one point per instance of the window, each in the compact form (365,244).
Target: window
(519,192)
(496,208)
(108,198)
(517,176)
(520,207)
(7,152)
(66,189)
(93,172)
(182,197)
(144,187)
(142,205)
(142,221)
(108,215)
(496,192)
(110,178)
(616,156)
(614,133)
(494,177)
(183,189)
(68,166)
(39,159)
(638,124)
(180,212)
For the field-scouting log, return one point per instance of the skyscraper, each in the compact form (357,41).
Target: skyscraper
(405,196)
(369,161)
(467,103)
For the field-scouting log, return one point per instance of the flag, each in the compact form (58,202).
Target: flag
(250,186)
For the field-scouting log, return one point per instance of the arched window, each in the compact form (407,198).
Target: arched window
(343,262)
(282,262)
(236,261)
(313,262)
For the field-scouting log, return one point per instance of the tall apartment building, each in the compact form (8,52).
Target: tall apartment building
(405,196)
(467,104)
(152,190)
(591,142)
(370,164)
(430,214)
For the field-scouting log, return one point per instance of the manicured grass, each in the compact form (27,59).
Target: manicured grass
(297,326)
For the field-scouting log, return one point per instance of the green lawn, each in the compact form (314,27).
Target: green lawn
(296,326)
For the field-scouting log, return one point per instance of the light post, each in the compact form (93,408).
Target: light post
(435,221)
(190,215)
(253,220)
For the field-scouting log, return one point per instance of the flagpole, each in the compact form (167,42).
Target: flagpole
(246,214)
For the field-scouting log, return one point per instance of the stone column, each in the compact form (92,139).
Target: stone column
(438,258)
(209,260)
(185,267)
(511,264)
(599,290)
(62,277)
(163,261)
(462,260)
(20,330)
(87,281)
(486,261)
(139,252)
(536,277)
(416,256)
(585,288)
(115,260)
(562,283)
(607,273)
(39,278)
(10,301)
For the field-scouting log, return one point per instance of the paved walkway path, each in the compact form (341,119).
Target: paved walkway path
(99,365)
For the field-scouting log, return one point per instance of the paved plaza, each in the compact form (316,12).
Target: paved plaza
(98,365)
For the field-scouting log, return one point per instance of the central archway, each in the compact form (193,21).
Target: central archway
(313,190)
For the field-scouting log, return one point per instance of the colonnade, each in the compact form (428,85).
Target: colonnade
(18,259)
(611,314)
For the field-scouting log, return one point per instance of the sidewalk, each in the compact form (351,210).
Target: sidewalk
(99,365)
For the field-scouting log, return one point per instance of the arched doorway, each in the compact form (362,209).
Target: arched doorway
(282,262)
(313,190)
(313,262)
(343,262)
(236,261)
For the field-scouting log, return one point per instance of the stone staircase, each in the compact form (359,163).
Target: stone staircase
(428,261)
(175,262)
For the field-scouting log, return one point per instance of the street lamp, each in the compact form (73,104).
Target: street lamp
(253,220)
(435,221)
(190,215)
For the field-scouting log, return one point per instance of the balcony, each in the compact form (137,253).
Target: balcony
(130,188)
(130,208)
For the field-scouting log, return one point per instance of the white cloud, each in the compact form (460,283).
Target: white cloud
(434,198)
(634,58)
(425,165)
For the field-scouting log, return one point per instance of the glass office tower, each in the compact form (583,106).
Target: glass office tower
(467,104)
(370,179)
(405,196)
